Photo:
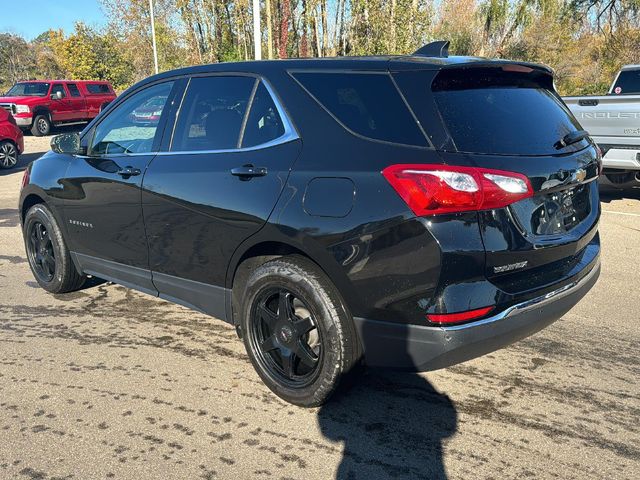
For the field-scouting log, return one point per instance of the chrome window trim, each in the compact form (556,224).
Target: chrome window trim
(290,133)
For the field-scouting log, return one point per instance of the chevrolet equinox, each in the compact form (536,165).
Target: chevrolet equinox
(410,212)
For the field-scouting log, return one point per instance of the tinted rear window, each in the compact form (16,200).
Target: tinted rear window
(367,104)
(503,114)
(98,88)
(628,83)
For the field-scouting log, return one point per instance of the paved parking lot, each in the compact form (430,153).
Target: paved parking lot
(110,383)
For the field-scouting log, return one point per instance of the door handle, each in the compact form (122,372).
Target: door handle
(129,172)
(248,171)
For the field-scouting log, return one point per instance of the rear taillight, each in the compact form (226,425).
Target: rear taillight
(599,159)
(459,316)
(435,189)
(25,178)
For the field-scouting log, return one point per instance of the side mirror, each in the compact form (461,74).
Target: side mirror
(68,143)
(57,95)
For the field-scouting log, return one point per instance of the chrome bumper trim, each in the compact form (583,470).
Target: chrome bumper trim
(529,304)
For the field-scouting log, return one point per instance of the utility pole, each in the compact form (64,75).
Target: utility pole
(153,37)
(257,36)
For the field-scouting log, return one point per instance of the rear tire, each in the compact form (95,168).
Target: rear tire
(297,331)
(41,126)
(47,252)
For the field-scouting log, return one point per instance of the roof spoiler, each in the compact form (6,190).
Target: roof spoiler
(438,49)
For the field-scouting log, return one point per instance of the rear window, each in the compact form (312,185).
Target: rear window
(367,104)
(488,111)
(73,89)
(98,88)
(627,83)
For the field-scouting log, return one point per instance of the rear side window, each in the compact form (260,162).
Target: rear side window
(487,111)
(211,113)
(628,83)
(73,90)
(98,88)
(367,104)
(264,123)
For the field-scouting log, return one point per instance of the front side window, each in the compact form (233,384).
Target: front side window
(28,89)
(212,113)
(367,104)
(58,88)
(132,126)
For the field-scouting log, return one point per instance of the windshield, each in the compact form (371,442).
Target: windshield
(28,89)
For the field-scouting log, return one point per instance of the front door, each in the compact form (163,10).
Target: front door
(102,191)
(226,164)
(61,108)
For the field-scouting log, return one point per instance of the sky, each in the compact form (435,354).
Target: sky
(30,18)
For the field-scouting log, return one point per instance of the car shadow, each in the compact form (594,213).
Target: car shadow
(608,194)
(392,424)
(23,161)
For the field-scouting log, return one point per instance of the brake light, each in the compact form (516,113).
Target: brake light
(599,159)
(459,316)
(25,178)
(436,189)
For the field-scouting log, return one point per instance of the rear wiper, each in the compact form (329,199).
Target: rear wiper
(571,138)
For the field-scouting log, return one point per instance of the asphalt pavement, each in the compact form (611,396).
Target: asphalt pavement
(111,383)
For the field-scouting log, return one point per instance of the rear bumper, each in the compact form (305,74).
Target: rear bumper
(422,348)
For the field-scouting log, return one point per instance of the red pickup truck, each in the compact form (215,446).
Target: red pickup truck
(40,104)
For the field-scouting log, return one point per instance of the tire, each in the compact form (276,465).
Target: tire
(41,126)
(8,154)
(303,353)
(47,252)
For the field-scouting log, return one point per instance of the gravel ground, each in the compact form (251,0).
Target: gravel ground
(110,383)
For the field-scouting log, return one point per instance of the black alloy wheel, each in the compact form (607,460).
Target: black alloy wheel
(41,252)
(286,337)
(298,333)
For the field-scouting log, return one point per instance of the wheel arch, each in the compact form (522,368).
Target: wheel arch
(250,256)
(42,110)
(29,201)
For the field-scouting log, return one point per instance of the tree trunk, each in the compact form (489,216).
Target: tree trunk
(267,7)
(284,28)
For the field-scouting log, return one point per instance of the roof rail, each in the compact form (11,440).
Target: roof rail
(439,48)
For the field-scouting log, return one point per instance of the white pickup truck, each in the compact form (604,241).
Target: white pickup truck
(613,121)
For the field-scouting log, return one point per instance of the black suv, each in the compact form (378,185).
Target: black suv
(400,211)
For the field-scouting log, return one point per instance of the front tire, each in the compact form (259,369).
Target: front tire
(41,126)
(297,331)
(8,155)
(47,252)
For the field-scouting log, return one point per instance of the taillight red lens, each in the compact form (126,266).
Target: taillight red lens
(459,316)
(435,189)
(25,178)
(599,157)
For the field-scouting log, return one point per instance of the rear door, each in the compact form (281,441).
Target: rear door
(228,159)
(77,102)
(61,109)
(509,118)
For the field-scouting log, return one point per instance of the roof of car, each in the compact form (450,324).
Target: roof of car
(356,63)
(62,80)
